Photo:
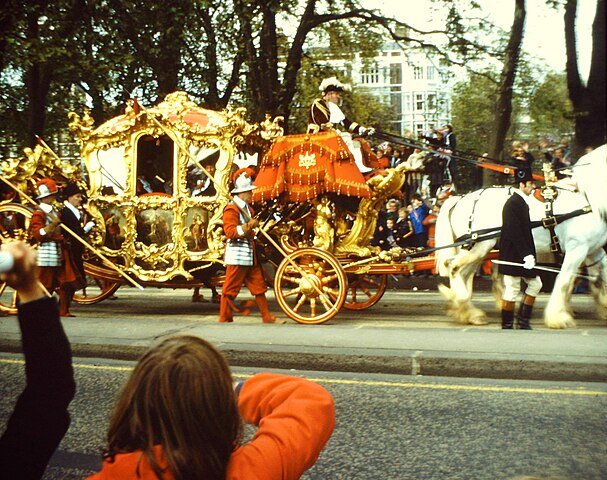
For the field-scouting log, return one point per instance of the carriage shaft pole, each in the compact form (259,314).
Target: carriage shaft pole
(76,236)
(539,267)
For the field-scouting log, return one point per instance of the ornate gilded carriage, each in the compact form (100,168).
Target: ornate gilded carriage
(158,215)
(145,178)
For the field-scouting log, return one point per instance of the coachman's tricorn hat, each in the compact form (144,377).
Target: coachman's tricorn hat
(332,84)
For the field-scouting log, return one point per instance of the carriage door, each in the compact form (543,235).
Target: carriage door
(155,208)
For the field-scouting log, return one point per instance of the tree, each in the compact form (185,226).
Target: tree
(550,109)
(589,101)
(503,107)
(472,107)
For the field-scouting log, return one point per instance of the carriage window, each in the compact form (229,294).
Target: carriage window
(198,182)
(107,169)
(155,161)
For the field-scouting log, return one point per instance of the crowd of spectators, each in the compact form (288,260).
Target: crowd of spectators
(409,217)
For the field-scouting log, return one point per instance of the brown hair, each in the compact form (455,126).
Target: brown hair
(180,396)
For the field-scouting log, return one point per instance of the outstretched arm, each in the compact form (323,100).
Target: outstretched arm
(295,417)
(40,418)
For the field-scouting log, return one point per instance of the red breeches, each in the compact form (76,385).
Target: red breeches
(237,275)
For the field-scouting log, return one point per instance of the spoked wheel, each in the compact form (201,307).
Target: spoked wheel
(96,289)
(14,224)
(364,291)
(314,292)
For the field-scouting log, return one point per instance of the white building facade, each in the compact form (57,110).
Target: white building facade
(416,87)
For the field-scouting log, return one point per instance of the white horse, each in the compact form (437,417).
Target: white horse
(581,238)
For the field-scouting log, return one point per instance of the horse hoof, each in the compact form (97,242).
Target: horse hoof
(560,321)
(478,320)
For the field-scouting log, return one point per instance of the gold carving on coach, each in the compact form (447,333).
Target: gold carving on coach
(307,160)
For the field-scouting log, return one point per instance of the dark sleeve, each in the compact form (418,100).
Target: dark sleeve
(517,222)
(529,157)
(40,418)
(527,244)
(351,126)
(318,113)
(69,220)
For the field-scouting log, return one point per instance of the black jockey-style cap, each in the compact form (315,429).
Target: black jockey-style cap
(523,174)
(71,189)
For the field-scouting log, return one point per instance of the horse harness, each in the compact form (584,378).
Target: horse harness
(474,235)
(550,221)
(549,194)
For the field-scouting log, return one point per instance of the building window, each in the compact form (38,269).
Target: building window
(430,72)
(396,100)
(419,129)
(418,73)
(407,103)
(396,74)
(431,101)
(370,75)
(419,101)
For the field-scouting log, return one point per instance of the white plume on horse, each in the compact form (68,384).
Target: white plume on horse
(581,239)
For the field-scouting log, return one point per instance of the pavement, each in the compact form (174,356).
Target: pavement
(405,333)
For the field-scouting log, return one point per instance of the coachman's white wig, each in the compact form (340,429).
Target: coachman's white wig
(332,84)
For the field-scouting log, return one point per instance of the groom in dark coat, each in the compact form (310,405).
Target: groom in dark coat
(72,217)
(516,245)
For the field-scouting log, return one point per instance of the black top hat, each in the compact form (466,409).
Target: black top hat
(523,174)
(71,189)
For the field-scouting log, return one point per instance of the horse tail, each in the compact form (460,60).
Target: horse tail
(444,235)
(590,173)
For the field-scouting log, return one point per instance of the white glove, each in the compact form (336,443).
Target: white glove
(89,226)
(370,131)
(528,262)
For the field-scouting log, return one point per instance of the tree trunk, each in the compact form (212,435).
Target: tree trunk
(503,107)
(37,80)
(588,101)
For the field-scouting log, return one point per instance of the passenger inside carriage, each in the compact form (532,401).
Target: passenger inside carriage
(199,183)
(155,165)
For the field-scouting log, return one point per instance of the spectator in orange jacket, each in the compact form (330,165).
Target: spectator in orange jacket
(179,417)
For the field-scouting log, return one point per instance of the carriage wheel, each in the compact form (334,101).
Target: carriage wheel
(298,292)
(96,288)
(364,291)
(14,224)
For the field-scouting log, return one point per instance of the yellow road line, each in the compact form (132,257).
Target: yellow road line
(377,383)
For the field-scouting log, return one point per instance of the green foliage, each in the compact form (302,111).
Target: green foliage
(550,108)
(472,105)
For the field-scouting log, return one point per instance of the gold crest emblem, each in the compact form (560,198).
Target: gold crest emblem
(307,160)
